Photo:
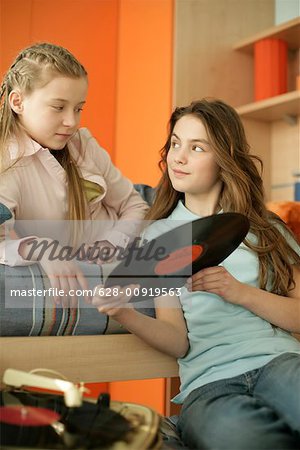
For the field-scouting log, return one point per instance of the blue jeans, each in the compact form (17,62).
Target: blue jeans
(259,409)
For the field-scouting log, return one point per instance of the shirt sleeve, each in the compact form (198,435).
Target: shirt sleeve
(120,196)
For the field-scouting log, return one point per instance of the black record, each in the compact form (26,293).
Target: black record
(31,420)
(170,259)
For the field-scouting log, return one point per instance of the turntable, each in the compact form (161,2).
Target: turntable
(35,420)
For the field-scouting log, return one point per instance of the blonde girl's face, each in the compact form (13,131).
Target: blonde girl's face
(51,114)
(191,160)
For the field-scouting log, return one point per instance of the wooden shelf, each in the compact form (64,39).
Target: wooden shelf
(275,108)
(288,31)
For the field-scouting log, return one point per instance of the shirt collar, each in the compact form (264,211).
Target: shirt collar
(181,212)
(23,147)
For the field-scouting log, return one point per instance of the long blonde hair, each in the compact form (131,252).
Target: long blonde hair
(242,190)
(34,67)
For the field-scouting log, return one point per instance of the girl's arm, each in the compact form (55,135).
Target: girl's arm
(65,277)
(120,195)
(281,311)
(167,333)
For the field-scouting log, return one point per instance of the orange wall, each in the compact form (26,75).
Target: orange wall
(126,46)
(88,28)
(144,86)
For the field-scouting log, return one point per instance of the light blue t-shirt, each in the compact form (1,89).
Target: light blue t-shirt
(226,340)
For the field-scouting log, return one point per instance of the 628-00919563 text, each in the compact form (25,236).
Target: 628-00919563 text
(137,291)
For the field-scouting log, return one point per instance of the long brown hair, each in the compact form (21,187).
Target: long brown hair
(242,190)
(34,67)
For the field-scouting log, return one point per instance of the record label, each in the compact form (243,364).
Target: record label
(29,416)
(178,259)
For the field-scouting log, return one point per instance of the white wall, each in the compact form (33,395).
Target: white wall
(286,10)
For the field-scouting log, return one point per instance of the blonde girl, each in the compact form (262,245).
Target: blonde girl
(51,169)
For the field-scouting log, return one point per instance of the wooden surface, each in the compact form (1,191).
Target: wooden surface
(274,108)
(87,358)
(288,31)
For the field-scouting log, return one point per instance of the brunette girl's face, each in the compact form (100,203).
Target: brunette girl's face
(191,160)
(51,114)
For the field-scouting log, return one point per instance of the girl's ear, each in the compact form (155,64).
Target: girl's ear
(16,101)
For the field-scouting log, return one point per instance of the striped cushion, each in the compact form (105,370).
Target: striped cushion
(28,315)
(22,314)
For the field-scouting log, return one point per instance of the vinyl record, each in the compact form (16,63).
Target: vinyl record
(170,259)
(29,416)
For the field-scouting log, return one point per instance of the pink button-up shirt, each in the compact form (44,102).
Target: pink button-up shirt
(35,189)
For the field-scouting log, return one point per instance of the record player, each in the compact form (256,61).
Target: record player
(38,420)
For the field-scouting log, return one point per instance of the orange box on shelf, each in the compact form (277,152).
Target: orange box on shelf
(270,68)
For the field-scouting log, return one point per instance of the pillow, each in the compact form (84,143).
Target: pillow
(147,192)
(289,212)
(24,314)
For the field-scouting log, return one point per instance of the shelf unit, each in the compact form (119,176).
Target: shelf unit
(285,106)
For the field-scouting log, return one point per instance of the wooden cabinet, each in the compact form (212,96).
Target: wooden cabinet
(273,124)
